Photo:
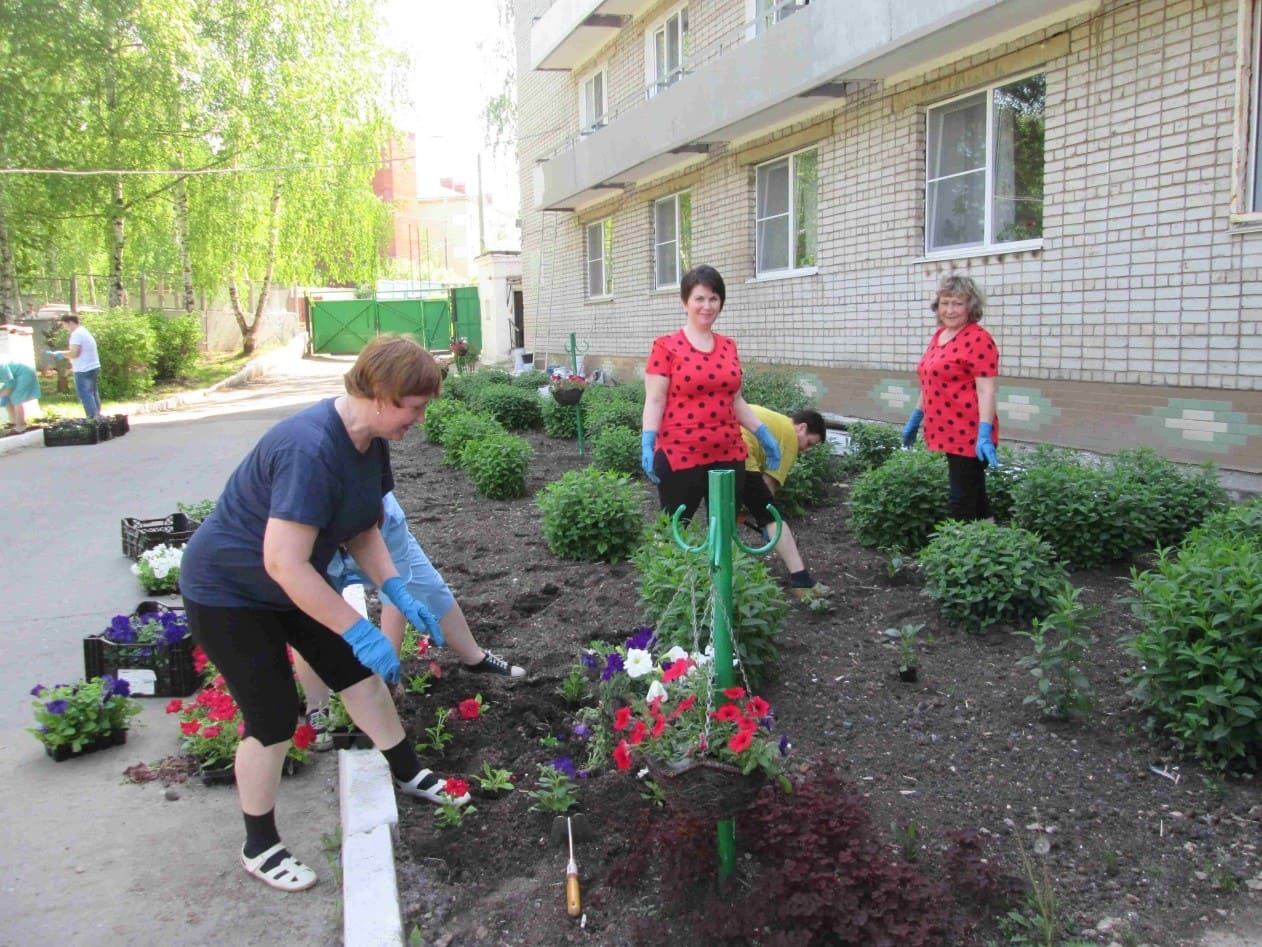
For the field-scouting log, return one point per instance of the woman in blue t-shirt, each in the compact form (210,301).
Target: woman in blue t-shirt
(253,580)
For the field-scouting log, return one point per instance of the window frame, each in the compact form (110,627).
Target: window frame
(653,83)
(1245,211)
(791,213)
(589,124)
(605,260)
(988,243)
(680,239)
(780,11)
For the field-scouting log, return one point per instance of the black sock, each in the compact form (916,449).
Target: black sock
(801,580)
(260,833)
(403,762)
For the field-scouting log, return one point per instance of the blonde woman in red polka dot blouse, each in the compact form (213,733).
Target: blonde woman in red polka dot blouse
(958,378)
(693,409)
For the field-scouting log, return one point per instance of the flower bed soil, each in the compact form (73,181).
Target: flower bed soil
(1134,857)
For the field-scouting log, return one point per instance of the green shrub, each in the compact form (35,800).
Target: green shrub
(677,594)
(1001,484)
(1060,642)
(871,444)
(981,574)
(777,390)
(462,430)
(1200,677)
(465,387)
(602,413)
(497,465)
(1079,511)
(514,408)
(438,413)
(592,515)
(1242,522)
(531,380)
(617,449)
(1165,503)
(899,503)
(177,344)
(560,420)
(125,344)
(817,468)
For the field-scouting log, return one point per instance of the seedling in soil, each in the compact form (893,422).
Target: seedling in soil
(904,640)
(494,780)
(556,792)
(448,815)
(549,742)
(573,687)
(437,734)
(418,684)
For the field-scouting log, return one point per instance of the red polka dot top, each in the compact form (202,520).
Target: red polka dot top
(699,423)
(948,388)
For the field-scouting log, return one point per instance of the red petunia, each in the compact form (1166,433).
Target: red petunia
(621,755)
(190,727)
(728,712)
(470,709)
(677,670)
(435,670)
(757,708)
(733,693)
(222,713)
(175,706)
(241,728)
(659,726)
(746,725)
(740,741)
(304,736)
(638,733)
(211,732)
(455,787)
(622,718)
(218,682)
(199,659)
(422,646)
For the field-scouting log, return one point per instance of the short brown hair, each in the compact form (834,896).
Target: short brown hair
(393,367)
(961,286)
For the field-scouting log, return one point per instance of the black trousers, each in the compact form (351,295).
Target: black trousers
(689,487)
(966,499)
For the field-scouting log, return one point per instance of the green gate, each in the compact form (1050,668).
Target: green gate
(345,326)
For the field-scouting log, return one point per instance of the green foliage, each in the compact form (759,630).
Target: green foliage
(903,640)
(497,465)
(494,780)
(532,380)
(617,449)
(493,376)
(1199,673)
(560,420)
(627,394)
(817,468)
(76,715)
(465,387)
(592,515)
(899,503)
(125,344)
(177,344)
(462,430)
(981,574)
(677,593)
(602,413)
(1079,511)
(871,444)
(1241,522)
(1165,503)
(573,687)
(438,736)
(198,510)
(777,390)
(438,413)
(556,792)
(1002,483)
(514,408)
(1060,641)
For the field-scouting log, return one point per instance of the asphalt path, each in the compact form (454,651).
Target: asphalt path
(88,857)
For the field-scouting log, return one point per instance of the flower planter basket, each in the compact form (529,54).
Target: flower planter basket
(706,789)
(62,753)
(142,535)
(72,433)
(119,425)
(150,670)
(567,396)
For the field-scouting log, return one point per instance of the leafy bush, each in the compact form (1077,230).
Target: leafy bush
(677,594)
(773,389)
(1165,503)
(602,413)
(465,387)
(438,414)
(560,420)
(1241,522)
(125,344)
(592,515)
(1199,675)
(514,408)
(981,574)
(1060,641)
(617,449)
(631,393)
(177,344)
(899,503)
(871,444)
(497,465)
(1079,511)
(1001,484)
(462,430)
(808,482)
(531,380)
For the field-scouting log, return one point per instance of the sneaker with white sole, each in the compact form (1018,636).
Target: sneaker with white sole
(319,720)
(494,664)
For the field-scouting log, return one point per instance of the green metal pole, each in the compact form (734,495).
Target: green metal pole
(578,408)
(722,510)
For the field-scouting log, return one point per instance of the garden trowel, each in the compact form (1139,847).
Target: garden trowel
(570,828)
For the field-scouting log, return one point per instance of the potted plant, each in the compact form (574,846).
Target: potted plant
(567,389)
(346,735)
(464,353)
(73,719)
(150,649)
(158,569)
(904,641)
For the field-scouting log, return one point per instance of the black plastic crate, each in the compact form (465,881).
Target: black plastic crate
(171,667)
(140,535)
(119,425)
(72,433)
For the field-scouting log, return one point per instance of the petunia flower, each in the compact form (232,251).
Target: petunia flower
(175,706)
(190,727)
(56,707)
(304,736)
(642,640)
(455,787)
(757,708)
(639,663)
(733,693)
(740,741)
(563,764)
(470,709)
(612,666)
(657,692)
(622,755)
(37,689)
(622,718)
(729,712)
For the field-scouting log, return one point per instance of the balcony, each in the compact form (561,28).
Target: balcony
(572,31)
(747,91)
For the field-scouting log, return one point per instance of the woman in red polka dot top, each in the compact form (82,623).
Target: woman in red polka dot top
(957,396)
(693,409)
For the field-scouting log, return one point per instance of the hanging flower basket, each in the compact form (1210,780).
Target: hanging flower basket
(706,789)
(567,396)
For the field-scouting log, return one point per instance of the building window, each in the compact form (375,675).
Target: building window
(672,238)
(666,52)
(767,13)
(599,258)
(593,102)
(787,212)
(1255,139)
(984,168)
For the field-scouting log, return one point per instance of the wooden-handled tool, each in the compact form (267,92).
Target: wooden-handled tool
(573,898)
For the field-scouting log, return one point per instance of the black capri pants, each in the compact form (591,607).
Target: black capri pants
(689,487)
(248,646)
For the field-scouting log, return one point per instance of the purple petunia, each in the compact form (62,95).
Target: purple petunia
(122,688)
(591,660)
(612,667)
(563,764)
(582,731)
(35,691)
(642,640)
(784,746)
(56,707)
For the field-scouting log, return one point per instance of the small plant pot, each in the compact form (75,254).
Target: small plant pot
(907,675)
(60,754)
(351,740)
(567,396)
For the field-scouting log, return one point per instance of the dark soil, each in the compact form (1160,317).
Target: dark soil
(1133,856)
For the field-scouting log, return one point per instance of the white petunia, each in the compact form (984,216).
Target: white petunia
(638,663)
(675,654)
(657,691)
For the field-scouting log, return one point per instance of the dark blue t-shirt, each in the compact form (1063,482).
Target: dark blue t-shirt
(306,470)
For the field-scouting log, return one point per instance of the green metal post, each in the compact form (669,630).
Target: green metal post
(722,510)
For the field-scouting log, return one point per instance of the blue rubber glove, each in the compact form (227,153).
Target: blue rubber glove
(648,447)
(395,592)
(985,449)
(770,446)
(58,355)
(373,650)
(912,427)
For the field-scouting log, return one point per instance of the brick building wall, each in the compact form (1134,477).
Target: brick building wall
(1138,321)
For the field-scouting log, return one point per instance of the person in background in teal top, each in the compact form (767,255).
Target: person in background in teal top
(18,385)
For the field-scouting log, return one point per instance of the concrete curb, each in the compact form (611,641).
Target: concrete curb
(370,818)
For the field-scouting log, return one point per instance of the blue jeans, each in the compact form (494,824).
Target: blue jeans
(86,386)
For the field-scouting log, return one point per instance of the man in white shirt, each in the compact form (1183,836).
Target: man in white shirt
(86,364)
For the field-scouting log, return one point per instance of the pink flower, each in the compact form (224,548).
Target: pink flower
(175,706)
(621,755)
(190,727)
